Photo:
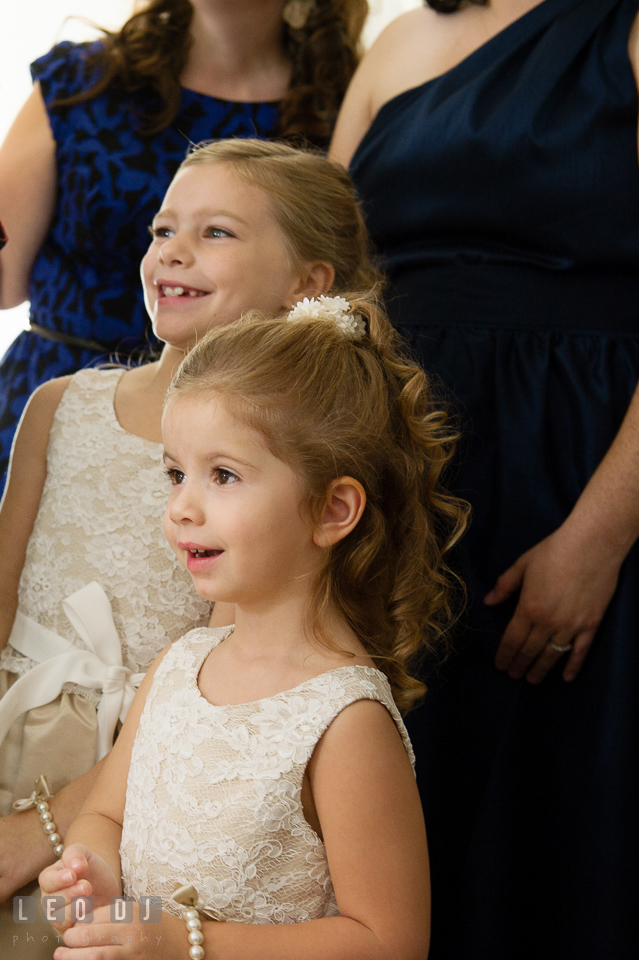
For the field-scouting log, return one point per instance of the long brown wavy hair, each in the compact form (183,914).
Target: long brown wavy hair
(330,407)
(150,53)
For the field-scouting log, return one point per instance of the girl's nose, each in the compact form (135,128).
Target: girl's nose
(176,250)
(183,506)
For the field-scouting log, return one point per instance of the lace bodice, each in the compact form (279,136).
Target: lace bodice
(214,793)
(100,518)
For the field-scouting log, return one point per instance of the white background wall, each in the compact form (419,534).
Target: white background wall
(28,28)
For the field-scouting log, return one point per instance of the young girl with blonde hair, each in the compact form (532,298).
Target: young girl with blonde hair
(263,776)
(92,152)
(239,228)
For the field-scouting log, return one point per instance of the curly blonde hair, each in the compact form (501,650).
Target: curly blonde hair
(330,407)
(150,53)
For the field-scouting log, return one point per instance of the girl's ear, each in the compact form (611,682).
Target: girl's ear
(345,502)
(315,278)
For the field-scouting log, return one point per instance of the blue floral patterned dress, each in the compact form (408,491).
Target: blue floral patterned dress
(85,291)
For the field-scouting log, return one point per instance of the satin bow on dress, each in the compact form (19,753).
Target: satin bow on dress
(98,667)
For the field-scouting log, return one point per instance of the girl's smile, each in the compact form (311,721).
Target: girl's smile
(197,556)
(168,292)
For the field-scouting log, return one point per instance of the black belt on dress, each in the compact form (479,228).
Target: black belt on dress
(70,340)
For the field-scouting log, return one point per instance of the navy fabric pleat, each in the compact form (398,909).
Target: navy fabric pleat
(503,197)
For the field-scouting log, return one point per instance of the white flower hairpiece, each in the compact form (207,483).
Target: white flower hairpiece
(333,308)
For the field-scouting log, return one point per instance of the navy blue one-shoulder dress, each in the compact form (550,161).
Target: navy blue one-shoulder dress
(504,198)
(85,290)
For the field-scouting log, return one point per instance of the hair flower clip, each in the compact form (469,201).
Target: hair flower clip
(336,309)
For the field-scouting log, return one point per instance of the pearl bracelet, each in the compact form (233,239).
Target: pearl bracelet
(188,898)
(40,800)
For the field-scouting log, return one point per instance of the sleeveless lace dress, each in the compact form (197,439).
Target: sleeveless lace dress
(99,520)
(214,793)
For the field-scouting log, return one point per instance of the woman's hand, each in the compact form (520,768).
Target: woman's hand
(567,580)
(79,873)
(103,940)
(566,585)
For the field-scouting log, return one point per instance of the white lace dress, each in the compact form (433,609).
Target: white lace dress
(214,793)
(100,519)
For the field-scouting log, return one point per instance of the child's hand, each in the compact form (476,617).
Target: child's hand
(79,873)
(167,940)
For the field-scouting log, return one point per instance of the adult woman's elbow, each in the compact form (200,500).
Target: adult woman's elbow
(7,303)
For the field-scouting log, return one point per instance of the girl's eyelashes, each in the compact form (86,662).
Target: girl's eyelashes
(215,232)
(175,476)
(223,476)
(158,231)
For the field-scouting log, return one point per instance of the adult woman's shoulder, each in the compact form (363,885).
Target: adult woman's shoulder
(399,59)
(63,71)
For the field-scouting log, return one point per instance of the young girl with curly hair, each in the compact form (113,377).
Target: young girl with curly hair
(263,776)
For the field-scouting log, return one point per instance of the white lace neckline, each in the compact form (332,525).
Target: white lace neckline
(193,675)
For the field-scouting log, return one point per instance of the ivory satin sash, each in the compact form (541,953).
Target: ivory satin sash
(99,667)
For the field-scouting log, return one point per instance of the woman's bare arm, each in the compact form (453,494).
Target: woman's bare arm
(399,59)
(355,115)
(27,196)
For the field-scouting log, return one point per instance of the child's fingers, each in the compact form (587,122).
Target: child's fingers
(75,858)
(56,878)
(65,872)
(60,880)
(59,924)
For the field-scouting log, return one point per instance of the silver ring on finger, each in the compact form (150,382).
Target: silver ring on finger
(558,648)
